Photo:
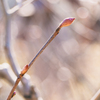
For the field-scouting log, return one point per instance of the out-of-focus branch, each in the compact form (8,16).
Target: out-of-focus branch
(17,7)
(96,96)
(8,50)
(16,69)
(66,22)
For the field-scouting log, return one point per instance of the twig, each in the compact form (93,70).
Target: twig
(66,22)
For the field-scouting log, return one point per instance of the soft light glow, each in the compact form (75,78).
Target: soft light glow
(27,10)
(53,1)
(63,74)
(71,46)
(82,12)
(34,32)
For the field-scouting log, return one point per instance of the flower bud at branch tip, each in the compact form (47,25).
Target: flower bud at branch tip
(24,70)
(67,22)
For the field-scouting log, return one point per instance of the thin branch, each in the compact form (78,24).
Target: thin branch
(13,89)
(66,22)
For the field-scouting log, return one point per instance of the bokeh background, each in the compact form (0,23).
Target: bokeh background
(69,68)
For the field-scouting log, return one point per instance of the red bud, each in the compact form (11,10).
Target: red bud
(24,70)
(67,22)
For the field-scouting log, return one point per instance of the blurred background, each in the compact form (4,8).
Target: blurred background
(69,68)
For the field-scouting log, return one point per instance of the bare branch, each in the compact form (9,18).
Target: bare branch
(66,22)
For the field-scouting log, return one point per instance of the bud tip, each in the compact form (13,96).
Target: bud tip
(24,70)
(67,22)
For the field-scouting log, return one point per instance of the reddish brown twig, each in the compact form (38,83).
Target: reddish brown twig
(66,22)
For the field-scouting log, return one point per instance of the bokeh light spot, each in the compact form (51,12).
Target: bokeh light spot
(34,32)
(27,10)
(82,12)
(63,74)
(71,46)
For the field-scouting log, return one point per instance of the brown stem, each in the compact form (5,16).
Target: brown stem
(45,45)
(66,22)
(37,55)
(15,85)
